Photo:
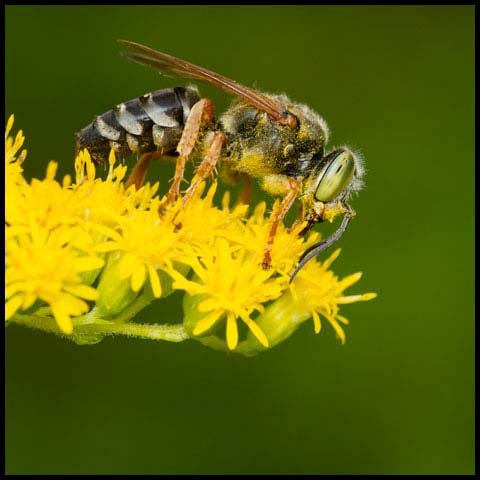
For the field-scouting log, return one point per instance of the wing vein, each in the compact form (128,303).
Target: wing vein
(172,65)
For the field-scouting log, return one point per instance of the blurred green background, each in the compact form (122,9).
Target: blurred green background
(395,82)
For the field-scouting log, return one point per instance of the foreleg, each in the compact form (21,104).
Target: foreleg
(276,217)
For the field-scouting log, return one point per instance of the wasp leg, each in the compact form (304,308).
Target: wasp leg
(276,217)
(201,115)
(207,166)
(139,172)
(204,170)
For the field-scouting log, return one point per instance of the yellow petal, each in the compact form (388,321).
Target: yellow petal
(326,264)
(84,264)
(10,121)
(11,289)
(63,319)
(28,300)
(226,201)
(317,324)
(108,246)
(126,265)
(51,170)
(256,330)
(107,231)
(67,181)
(207,322)
(138,277)
(338,329)
(19,139)
(90,169)
(356,298)
(232,332)
(343,319)
(12,306)
(155,282)
(111,157)
(22,156)
(83,291)
(207,305)
(350,280)
(70,304)
(181,283)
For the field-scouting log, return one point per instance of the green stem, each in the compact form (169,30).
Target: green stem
(90,327)
(47,324)
(169,333)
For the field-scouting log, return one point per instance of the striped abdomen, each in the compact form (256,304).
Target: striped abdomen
(153,122)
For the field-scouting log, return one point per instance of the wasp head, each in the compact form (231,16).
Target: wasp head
(331,182)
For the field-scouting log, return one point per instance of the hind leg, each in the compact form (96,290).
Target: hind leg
(201,116)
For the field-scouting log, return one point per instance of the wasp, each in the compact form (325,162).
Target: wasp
(264,136)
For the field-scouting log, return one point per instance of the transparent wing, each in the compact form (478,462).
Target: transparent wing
(181,68)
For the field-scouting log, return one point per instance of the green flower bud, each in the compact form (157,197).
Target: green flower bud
(114,292)
(279,320)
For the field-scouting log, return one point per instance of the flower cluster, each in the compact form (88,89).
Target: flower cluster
(84,257)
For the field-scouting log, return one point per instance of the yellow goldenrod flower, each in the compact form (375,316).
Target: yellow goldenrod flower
(146,245)
(46,247)
(202,222)
(104,201)
(42,202)
(232,286)
(42,265)
(318,291)
(90,254)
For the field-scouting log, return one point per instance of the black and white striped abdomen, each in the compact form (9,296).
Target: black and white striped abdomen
(145,124)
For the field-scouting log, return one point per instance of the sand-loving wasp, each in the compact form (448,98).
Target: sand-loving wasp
(261,135)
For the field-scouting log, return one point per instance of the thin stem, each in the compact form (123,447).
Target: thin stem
(169,333)
(47,324)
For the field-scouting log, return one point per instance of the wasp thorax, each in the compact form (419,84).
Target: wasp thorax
(336,175)
(259,145)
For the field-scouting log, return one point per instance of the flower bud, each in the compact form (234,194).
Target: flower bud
(279,320)
(114,291)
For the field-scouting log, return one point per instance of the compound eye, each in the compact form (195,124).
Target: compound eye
(336,178)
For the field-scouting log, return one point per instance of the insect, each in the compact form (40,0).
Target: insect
(260,135)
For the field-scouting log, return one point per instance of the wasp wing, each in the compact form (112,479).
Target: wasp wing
(169,64)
